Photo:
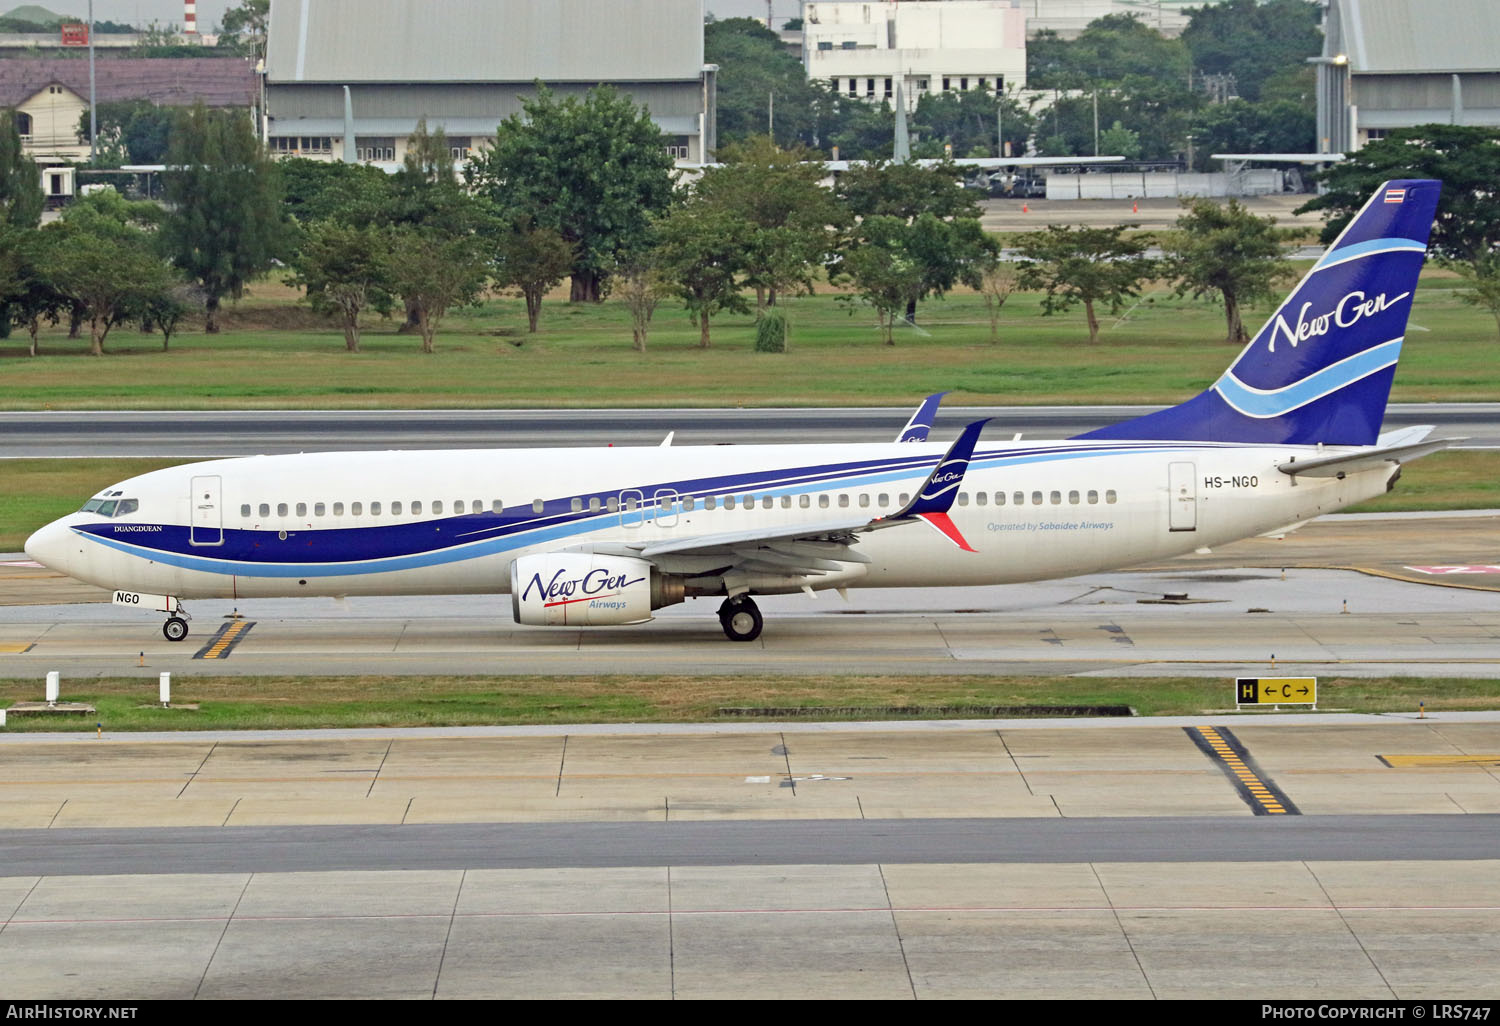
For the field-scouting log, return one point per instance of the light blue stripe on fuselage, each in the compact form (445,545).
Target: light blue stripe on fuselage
(1259,403)
(581,523)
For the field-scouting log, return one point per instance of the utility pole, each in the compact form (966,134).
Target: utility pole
(93,106)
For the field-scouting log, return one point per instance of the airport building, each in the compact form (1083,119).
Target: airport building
(865,49)
(466,65)
(51,95)
(1389,64)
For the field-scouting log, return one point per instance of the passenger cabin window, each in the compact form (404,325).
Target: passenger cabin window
(437,506)
(302,509)
(338,509)
(356,508)
(318,509)
(374,509)
(245,510)
(395,509)
(281,509)
(416,507)
(265,509)
(1109,496)
(537,505)
(864,499)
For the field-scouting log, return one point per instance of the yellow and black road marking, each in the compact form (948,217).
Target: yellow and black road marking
(16,647)
(1263,797)
(223,642)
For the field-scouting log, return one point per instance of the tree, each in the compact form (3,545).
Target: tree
(699,253)
(1108,50)
(345,269)
(26,291)
(944,237)
(996,284)
(1483,278)
(532,260)
(640,286)
(593,170)
(1083,265)
(322,190)
(759,82)
(790,218)
(227,222)
(437,272)
(130,131)
(1228,250)
(1466,160)
(101,259)
(1254,41)
(21,198)
(1238,126)
(966,119)
(243,30)
(905,190)
(884,271)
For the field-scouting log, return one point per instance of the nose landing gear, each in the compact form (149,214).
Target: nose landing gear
(740,618)
(175,629)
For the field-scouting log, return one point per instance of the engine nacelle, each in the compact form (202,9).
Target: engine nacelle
(583,589)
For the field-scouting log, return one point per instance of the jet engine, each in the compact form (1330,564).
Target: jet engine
(585,589)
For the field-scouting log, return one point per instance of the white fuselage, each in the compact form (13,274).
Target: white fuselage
(451,521)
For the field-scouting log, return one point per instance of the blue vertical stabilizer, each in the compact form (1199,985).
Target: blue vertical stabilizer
(1320,369)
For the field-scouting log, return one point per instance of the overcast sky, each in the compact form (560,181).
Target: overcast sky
(142,12)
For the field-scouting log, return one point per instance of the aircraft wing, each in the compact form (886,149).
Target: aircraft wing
(814,549)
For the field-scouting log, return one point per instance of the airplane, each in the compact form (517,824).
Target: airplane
(588,537)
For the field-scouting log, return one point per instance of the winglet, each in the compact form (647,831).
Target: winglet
(921,421)
(935,498)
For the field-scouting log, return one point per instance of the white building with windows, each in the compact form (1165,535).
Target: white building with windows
(466,65)
(864,48)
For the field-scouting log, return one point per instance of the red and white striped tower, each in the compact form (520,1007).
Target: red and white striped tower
(189,18)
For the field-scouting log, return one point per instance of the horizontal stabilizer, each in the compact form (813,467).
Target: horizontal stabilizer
(1349,463)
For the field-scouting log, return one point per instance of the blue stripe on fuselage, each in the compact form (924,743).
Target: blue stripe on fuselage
(337,552)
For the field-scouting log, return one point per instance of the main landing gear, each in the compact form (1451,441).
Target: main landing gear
(740,618)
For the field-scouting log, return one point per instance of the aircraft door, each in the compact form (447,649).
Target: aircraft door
(1182,496)
(666,508)
(632,511)
(206,521)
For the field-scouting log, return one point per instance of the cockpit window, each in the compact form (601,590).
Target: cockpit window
(107,508)
(126,507)
(92,506)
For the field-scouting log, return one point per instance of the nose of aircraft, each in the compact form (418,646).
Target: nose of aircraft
(48,545)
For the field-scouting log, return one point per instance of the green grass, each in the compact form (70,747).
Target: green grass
(304,702)
(275,354)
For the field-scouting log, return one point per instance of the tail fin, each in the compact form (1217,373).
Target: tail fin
(1320,369)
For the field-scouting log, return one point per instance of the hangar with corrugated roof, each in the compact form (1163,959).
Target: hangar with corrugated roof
(1390,64)
(466,65)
